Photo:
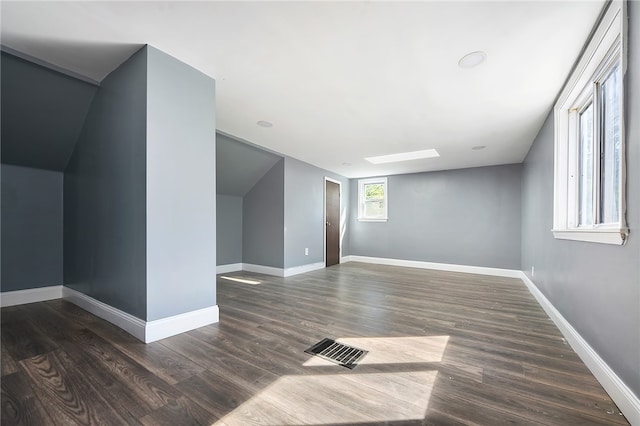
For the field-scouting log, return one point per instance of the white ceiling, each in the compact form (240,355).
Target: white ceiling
(340,81)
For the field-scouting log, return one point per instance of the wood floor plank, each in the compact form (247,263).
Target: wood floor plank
(444,349)
(67,397)
(182,411)
(556,397)
(582,383)
(19,403)
(120,396)
(219,396)
(9,365)
(165,363)
(147,387)
(517,404)
(23,341)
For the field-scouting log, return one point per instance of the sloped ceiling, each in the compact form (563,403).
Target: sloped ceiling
(340,81)
(240,166)
(42,114)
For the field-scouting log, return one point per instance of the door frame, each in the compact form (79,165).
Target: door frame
(324,222)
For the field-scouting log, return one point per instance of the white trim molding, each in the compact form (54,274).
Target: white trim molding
(281,272)
(260,269)
(499,272)
(31,295)
(129,323)
(170,326)
(144,331)
(616,236)
(606,50)
(225,269)
(289,272)
(622,395)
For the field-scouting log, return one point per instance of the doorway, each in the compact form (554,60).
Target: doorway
(332,221)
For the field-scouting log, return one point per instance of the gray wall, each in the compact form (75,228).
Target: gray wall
(181,182)
(263,220)
(596,287)
(228,229)
(42,114)
(239,166)
(304,212)
(31,228)
(105,192)
(466,217)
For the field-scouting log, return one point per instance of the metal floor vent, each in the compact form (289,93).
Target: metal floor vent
(344,355)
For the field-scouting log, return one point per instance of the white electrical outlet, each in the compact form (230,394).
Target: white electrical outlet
(533,272)
(306,251)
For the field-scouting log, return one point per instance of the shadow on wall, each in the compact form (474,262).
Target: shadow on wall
(90,59)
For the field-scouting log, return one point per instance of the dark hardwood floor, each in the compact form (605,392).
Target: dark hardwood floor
(444,349)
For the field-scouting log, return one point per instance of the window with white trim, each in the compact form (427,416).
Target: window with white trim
(372,199)
(589,181)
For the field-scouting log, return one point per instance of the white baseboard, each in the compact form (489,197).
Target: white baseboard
(260,269)
(225,269)
(170,326)
(289,272)
(510,273)
(138,328)
(129,323)
(31,295)
(622,395)
(281,272)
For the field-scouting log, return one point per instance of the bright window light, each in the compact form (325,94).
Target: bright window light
(589,175)
(399,394)
(320,399)
(372,199)
(241,280)
(403,156)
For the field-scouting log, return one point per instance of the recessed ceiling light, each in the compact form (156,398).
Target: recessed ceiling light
(478,147)
(263,123)
(346,164)
(472,59)
(403,156)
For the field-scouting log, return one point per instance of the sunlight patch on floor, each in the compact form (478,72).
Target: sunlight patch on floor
(392,350)
(338,399)
(240,280)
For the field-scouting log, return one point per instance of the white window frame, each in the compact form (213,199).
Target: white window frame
(608,44)
(361,184)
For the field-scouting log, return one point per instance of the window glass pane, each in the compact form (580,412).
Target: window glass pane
(586,167)
(611,140)
(374,191)
(373,200)
(374,209)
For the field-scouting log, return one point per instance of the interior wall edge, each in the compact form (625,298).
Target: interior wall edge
(48,65)
(145,331)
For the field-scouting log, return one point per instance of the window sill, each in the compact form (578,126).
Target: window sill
(616,236)
(364,219)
